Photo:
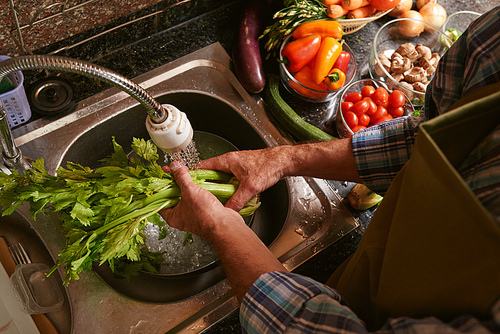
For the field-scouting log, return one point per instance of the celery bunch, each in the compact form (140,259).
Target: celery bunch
(104,211)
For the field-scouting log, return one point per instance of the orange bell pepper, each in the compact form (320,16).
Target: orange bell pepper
(304,77)
(335,79)
(324,28)
(328,53)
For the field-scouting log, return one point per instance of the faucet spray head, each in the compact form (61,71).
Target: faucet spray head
(174,133)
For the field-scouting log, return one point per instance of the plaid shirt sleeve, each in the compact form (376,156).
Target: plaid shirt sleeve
(281,302)
(471,63)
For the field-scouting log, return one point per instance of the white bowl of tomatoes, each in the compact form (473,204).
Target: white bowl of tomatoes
(369,102)
(299,79)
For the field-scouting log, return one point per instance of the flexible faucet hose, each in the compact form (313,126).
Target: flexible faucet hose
(32,62)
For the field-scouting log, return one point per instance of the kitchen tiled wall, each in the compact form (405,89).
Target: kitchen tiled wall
(58,22)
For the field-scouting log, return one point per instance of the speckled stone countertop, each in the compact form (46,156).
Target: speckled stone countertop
(188,29)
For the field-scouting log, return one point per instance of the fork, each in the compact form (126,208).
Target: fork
(19,254)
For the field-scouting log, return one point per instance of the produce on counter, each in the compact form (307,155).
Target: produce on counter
(384,4)
(324,28)
(434,14)
(246,50)
(411,65)
(403,6)
(362,198)
(320,67)
(410,28)
(297,12)
(301,52)
(371,106)
(327,55)
(288,118)
(104,211)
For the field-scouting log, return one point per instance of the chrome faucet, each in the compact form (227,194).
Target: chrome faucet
(157,114)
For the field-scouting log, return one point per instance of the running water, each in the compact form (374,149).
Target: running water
(179,258)
(189,156)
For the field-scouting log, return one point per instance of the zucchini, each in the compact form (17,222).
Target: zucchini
(288,118)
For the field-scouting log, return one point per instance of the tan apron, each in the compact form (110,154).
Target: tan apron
(431,248)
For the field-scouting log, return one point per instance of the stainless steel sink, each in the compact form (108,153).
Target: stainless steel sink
(298,218)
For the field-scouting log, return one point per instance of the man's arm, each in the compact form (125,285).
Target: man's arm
(258,170)
(242,254)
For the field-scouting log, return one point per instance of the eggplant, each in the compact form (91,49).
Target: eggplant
(246,54)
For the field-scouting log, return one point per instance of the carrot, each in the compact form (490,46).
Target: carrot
(361,13)
(354,4)
(331,2)
(336,11)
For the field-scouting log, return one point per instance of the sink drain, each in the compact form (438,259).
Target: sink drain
(51,96)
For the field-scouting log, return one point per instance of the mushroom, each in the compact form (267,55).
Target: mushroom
(415,74)
(423,52)
(419,87)
(407,89)
(427,65)
(430,64)
(398,76)
(384,62)
(408,50)
(400,64)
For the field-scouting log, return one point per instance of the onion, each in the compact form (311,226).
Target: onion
(434,14)
(410,28)
(422,3)
(401,7)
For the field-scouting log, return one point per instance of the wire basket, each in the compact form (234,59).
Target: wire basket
(14,102)
(352,25)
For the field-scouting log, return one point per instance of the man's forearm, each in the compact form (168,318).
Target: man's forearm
(332,160)
(242,254)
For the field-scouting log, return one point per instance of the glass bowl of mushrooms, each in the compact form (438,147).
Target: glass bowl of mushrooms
(405,54)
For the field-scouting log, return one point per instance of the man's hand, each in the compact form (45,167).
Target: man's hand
(256,170)
(198,211)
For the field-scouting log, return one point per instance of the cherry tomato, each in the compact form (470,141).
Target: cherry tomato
(363,120)
(353,97)
(360,107)
(346,106)
(367,91)
(395,112)
(383,119)
(384,4)
(373,106)
(381,97)
(381,112)
(351,119)
(397,98)
(357,128)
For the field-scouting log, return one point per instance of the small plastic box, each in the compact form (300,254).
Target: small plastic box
(15,102)
(37,292)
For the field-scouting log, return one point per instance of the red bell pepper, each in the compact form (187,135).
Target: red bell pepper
(342,61)
(300,52)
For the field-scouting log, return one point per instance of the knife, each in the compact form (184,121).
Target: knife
(41,321)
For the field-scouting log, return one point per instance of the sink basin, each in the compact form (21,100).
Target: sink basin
(207,114)
(298,218)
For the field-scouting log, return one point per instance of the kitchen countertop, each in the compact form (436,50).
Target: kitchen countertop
(219,25)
